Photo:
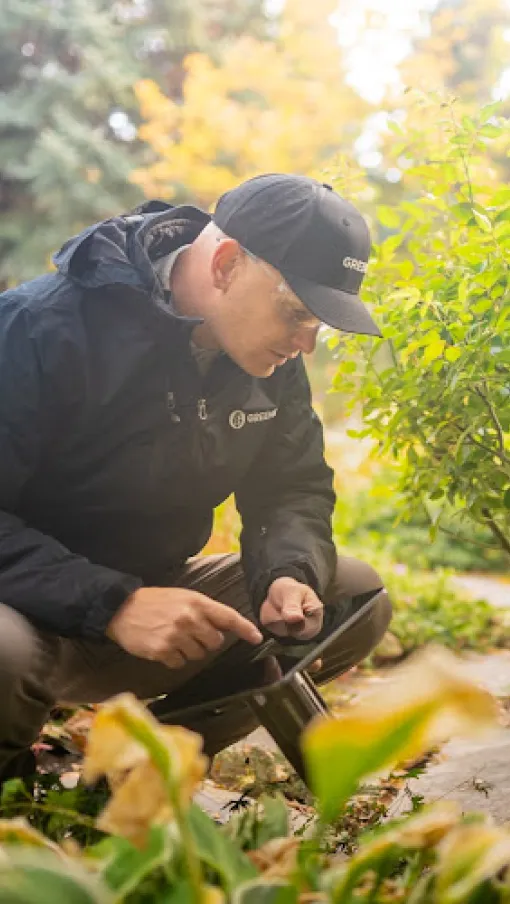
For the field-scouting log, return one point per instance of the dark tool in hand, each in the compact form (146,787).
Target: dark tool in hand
(275,686)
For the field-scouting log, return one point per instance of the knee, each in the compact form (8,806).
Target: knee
(18,643)
(357,596)
(374,626)
(368,621)
(356,583)
(355,578)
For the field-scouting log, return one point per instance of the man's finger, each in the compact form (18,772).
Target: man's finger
(312,603)
(292,612)
(315,666)
(226,619)
(173,660)
(192,649)
(312,607)
(208,636)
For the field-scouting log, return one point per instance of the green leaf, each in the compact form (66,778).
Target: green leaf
(12,789)
(462,292)
(181,892)
(336,768)
(260,892)
(489,110)
(501,196)
(468,123)
(433,350)
(452,353)
(463,211)
(347,367)
(30,878)
(406,269)
(275,820)
(483,220)
(394,126)
(394,722)
(127,865)
(506,498)
(388,216)
(491,131)
(218,851)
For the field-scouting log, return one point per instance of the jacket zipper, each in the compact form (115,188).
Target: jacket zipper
(202,409)
(175,418)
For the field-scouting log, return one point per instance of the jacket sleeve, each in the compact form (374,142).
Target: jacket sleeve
(286,500)
(56,590)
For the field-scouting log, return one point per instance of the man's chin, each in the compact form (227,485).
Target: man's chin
(256,369)
(263,373)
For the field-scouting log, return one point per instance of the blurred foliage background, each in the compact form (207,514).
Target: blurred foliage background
(103,103)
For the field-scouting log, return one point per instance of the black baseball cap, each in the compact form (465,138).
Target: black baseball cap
(318,241)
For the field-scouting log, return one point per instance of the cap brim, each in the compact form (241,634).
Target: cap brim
(341,310)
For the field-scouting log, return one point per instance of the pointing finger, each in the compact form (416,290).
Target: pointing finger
(223,618)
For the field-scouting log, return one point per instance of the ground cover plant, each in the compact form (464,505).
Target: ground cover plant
(153,844)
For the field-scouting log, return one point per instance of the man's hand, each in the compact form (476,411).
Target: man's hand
(173,625)
(291,609)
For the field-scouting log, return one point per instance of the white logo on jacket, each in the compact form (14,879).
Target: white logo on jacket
(237,419)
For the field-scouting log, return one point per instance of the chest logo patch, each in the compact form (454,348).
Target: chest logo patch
(237,419)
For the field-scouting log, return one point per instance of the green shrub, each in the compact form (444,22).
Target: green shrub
(427,607)
(434,393)
(371,518)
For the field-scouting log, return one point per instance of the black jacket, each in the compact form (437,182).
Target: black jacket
(114,452)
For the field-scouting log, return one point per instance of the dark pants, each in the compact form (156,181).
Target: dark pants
(38,670)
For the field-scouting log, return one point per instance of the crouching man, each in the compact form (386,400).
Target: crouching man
(157,371)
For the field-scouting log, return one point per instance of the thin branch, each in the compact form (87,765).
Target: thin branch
(496,530)
(495,420)
(476,442)
(451,533)
(463,158)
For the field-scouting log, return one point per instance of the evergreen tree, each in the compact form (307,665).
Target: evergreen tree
(63,73)
(68,112)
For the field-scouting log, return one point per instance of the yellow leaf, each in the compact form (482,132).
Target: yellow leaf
(211,894)
(110,749)
(152,769)
(468,856)
(19,831)
(426,829)
(277,858)
(139,801)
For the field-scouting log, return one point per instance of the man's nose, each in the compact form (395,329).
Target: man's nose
(306,339)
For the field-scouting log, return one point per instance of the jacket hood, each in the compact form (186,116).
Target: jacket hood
(120,250)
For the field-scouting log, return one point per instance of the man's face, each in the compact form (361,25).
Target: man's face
(258,321)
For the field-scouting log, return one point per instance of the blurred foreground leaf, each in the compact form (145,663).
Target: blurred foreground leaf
(427,700)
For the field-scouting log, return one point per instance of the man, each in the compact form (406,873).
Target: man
(155,373)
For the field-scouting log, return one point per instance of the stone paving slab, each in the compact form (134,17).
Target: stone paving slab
(492,589)
(476,773)
(477,776)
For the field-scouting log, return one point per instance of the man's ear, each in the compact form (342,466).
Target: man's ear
(225,262)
